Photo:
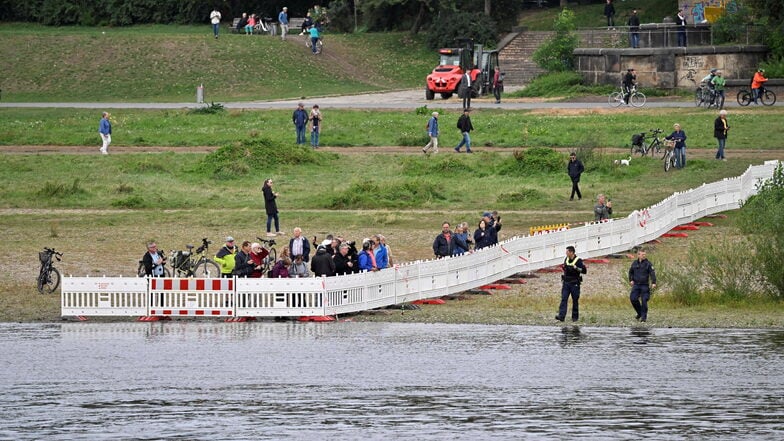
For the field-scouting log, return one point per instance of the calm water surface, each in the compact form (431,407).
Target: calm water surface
(264,380)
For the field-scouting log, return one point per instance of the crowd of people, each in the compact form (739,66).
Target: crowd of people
(460,241)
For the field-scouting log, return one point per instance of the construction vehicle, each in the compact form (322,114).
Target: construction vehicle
(446,79)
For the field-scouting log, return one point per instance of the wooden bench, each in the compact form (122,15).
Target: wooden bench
(233,26)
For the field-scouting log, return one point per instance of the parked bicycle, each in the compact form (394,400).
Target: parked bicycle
(707,96)
(272,254)
(669,154)
(653,147)
(48,275)
(636,98)
(194,263)
(142,272)
(265,25)
(767,97)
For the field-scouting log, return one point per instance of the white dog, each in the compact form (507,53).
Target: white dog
(623,161)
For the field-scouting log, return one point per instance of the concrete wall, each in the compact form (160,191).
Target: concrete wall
(667,68)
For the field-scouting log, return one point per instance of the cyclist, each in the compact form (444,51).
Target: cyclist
(153,261)
(718,83)
(225,257)
(708,82)
(629,81)
(756,84)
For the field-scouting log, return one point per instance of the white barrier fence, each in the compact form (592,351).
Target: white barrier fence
(326,296)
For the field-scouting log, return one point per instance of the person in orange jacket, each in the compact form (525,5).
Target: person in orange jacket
(756,84)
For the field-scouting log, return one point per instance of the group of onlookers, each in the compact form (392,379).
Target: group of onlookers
(460,241)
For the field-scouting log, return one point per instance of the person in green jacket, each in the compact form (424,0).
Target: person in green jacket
(718,85)
(225,257)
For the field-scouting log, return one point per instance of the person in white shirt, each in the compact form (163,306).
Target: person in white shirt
(215,18)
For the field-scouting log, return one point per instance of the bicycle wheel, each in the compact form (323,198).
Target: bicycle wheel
(744,97)
(698,97)
(637,99)
(667,161)
(319,46)
(206,268)
(768,98)
(615,99)
(140,271)
(48,283)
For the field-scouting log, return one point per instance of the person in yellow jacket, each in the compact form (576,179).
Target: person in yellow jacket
(225,257)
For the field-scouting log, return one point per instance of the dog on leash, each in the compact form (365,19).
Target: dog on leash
(623,161)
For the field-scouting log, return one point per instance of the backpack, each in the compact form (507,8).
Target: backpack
(637,138)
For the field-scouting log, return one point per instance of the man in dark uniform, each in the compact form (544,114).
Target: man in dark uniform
(573,268)
(640,273)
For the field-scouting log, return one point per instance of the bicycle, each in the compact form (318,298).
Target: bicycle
(706,95)
(745,96)
(272,254)
(669,155)
(194,264)
(142,272)
(48,275)
(654,146)
(636,99)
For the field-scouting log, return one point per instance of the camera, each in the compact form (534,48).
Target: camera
(351,243)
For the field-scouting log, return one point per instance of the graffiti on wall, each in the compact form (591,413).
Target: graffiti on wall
(695,63)
(695,10)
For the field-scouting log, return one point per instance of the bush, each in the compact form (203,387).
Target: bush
(531,161)
(731,28)
(208,109)
(453,25)
(557,54)
(727,267)
(54,190)
(762,217)
(414,193)
(257,155)
(684,286)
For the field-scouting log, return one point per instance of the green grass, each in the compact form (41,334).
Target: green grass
(600,127)
(166,63)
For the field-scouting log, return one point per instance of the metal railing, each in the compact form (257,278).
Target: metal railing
(663,35)
(326,296)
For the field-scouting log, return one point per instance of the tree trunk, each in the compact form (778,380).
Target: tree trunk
(487,7)
(419,19)
(564,3)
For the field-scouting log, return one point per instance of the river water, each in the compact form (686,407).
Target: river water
(351,381)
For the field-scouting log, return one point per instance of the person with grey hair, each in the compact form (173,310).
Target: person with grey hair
(105,130)
(432,132)
(603,208)
(283,19)
(720,129)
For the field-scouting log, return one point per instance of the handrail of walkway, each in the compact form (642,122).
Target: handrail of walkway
(329,296)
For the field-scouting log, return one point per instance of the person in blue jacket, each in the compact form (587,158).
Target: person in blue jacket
(283,19)
(105,129)
(300,120)
(679,136)
(432,132)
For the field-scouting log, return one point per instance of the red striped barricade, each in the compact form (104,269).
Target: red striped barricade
(192,297)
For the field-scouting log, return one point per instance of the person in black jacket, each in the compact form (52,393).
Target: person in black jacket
(243,263)
(573,269)
(634,29)
(575,168)
(271,207)
(720,128)
(465,126)
(322,263)
(609,12)
(345,263)
(446,241)
(640,274)
(153,261)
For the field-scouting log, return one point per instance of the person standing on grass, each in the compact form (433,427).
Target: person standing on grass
(609,12)
(215,18)
(720,129)
(283,19)
(105,130)
(573,269)
(315,126)
(271,208)
(575,168)
(300,120)
(603,208)
(498,85)
(432,132)
(640,274)
(464,124)
(679,136)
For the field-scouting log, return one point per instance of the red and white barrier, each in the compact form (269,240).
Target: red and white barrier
(192,297)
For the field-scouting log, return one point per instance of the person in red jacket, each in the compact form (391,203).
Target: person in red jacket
(756,84)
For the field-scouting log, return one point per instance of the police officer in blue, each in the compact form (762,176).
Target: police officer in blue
(573,268)
(640,274)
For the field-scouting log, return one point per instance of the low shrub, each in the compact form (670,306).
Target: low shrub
(256,155)
(208,109)
(532,160)
(413,193)
(727,267)
(524,195)
(130,202)
(53,190)
(684,287)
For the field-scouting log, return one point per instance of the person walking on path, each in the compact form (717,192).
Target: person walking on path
(498,85)
(609,12)
(679,136)
(283,19)
(314,37)
(464,124)
(271,208)
(720,129)
(215,18)
(432,132)
(315,126)
(640,274)
(680,21)
(300,120)
(634,29)
(575,168)
(603,208)
(105,130)
(573,269)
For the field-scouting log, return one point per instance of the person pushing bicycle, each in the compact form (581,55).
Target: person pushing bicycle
(629,81)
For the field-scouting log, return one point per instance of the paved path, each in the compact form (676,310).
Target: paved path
(404,99)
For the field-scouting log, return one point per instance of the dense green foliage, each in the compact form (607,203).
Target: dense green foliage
(762,219)
(731,28)
(255,155)
(556,54)
(459,24)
